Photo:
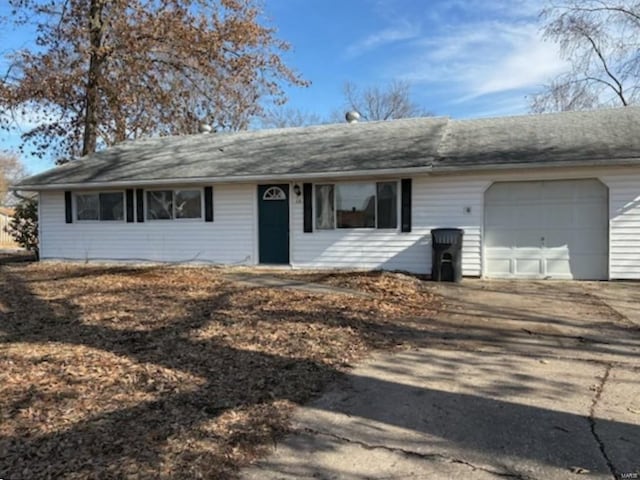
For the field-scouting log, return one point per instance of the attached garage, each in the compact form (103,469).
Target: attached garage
(547,229)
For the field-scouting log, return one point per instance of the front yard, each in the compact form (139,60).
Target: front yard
(170,372)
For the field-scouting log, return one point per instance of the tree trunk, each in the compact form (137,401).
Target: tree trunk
(90,139)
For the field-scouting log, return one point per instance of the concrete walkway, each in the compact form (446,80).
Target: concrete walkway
(623,297)
(526,381)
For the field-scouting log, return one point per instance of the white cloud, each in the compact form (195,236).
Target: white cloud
(525,62)
(402,30)
(471,52)
(483,58)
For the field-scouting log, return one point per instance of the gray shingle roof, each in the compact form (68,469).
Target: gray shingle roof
(326,148)
(570,137)
(432,144)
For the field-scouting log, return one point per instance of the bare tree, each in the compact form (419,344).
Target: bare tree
(288,117)
(105,71)
(383,103)
(599,39)
(564,94)
(11,170)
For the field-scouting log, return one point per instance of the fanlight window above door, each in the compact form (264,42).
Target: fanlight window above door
(274,193)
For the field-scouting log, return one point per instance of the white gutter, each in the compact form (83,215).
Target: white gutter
(430,170)
(600,162)
(227,179)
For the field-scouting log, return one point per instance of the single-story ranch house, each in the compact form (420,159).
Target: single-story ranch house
(544,196)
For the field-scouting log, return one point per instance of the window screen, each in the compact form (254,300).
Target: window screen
(188,204)
(159,204)
(356,205)
(387,204)
(88,207)
(111,206)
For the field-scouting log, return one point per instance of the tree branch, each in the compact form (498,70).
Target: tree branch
(618,89)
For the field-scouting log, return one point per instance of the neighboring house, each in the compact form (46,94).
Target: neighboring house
(6,240)
(546,196)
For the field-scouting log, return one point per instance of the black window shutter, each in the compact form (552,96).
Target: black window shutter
(68,207)
(129,193)
(405,205)
(307,199)
(208,204)
(140,205)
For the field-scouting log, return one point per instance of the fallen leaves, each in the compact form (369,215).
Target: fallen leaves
(47,387)
(161,372)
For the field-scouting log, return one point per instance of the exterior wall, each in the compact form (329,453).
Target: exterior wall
(437,201)
(458,201)
(624,225)
(228,239)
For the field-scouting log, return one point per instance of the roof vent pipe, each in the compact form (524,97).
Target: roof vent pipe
(204,128)
(352,117)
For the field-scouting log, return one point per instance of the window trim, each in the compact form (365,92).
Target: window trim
(335,227)
(173,212)
(281,195)
(98,192)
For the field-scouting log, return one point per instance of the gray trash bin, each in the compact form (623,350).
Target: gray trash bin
(446,259)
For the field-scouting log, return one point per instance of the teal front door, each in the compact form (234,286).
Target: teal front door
(273,223)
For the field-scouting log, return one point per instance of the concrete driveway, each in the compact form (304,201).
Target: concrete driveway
(525,380)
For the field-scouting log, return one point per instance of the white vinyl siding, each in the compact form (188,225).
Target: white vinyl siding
(436,202)
(458,201)
(228,239)
(624,225)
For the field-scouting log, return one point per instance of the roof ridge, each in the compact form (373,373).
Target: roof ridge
(548,114)
(266,132)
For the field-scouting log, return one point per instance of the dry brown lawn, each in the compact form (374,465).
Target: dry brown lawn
(169,372)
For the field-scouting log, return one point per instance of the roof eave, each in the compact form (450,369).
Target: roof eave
(435,170)
(600,162)
(228,179)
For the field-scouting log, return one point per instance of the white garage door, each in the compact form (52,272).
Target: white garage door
(551,229)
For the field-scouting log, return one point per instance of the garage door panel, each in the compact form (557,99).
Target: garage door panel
(527,238)
(557,253)
(584,216)
(558,216)
(499,216)
(528,267)
(558,268)
(552,243)
(585,191)
(556,229)
(582,266)
(502,237)
(552,192)
(498,267)
(582,241)
(529,216)
(526,192)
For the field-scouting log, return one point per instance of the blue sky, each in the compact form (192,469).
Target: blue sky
(463,58)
